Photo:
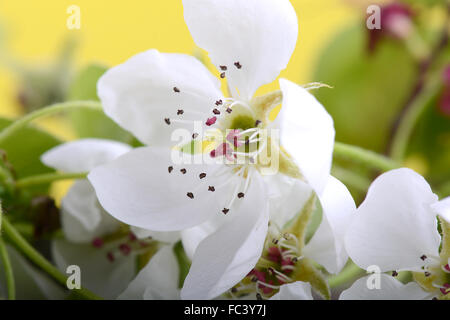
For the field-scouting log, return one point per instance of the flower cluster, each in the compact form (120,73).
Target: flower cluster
(223,197)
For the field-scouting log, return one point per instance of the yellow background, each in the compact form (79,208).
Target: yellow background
(113,30)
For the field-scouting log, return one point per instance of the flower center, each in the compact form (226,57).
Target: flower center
(275,268)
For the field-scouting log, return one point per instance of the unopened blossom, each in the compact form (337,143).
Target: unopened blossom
(153,94)
(396,229)
(105,249)
(444,100)
(396,22)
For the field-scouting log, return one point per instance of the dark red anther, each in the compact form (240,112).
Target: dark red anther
(97,243)
(211,121)
(110,257)
(132,237)
(445,289)
(125,249)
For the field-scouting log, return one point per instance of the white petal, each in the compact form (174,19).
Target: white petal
(138,190)
(192,237)
(395,226)
(167,237)
(158,280)
(228,255)
(307,133)
(294,291)
(442,208)
(390,289)
(83,155)
(287,197)
(140,93)
(103,277)
(82,217)
(327,246)
(259,34)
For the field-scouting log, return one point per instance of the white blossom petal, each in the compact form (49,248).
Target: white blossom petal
(307,133)
(192,237)
(287,197)
(167,237)
(228,255)
(152,86)
(83,155)
(390,289)
(158,280)
(442,208)
(100,275)
(82,217)
(294,291)
(260,35)
(138,189)
(395,227)
(327,246)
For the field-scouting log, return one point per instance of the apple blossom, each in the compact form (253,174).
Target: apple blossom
(154,94)
(396,229)
(103,248)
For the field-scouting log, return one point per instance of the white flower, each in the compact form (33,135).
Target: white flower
(158,280)
(100,245)
(390,289)
(395,228)
(154,93)
(294,291)
(285,253)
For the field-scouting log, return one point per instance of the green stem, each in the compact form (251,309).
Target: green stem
(44,112)
(367,157)
(351,178)
(40,261)
(349,273)
(9,275)
(48,178)
(406,127)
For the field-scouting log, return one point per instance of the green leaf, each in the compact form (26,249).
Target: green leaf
(25,148)
(92,123)
(368,91)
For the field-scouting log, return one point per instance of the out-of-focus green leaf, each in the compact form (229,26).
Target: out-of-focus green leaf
(92,123)
(22,158)
(431,141)
(368,91)
(25,147)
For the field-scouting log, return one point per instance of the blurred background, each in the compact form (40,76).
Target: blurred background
(378,77)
